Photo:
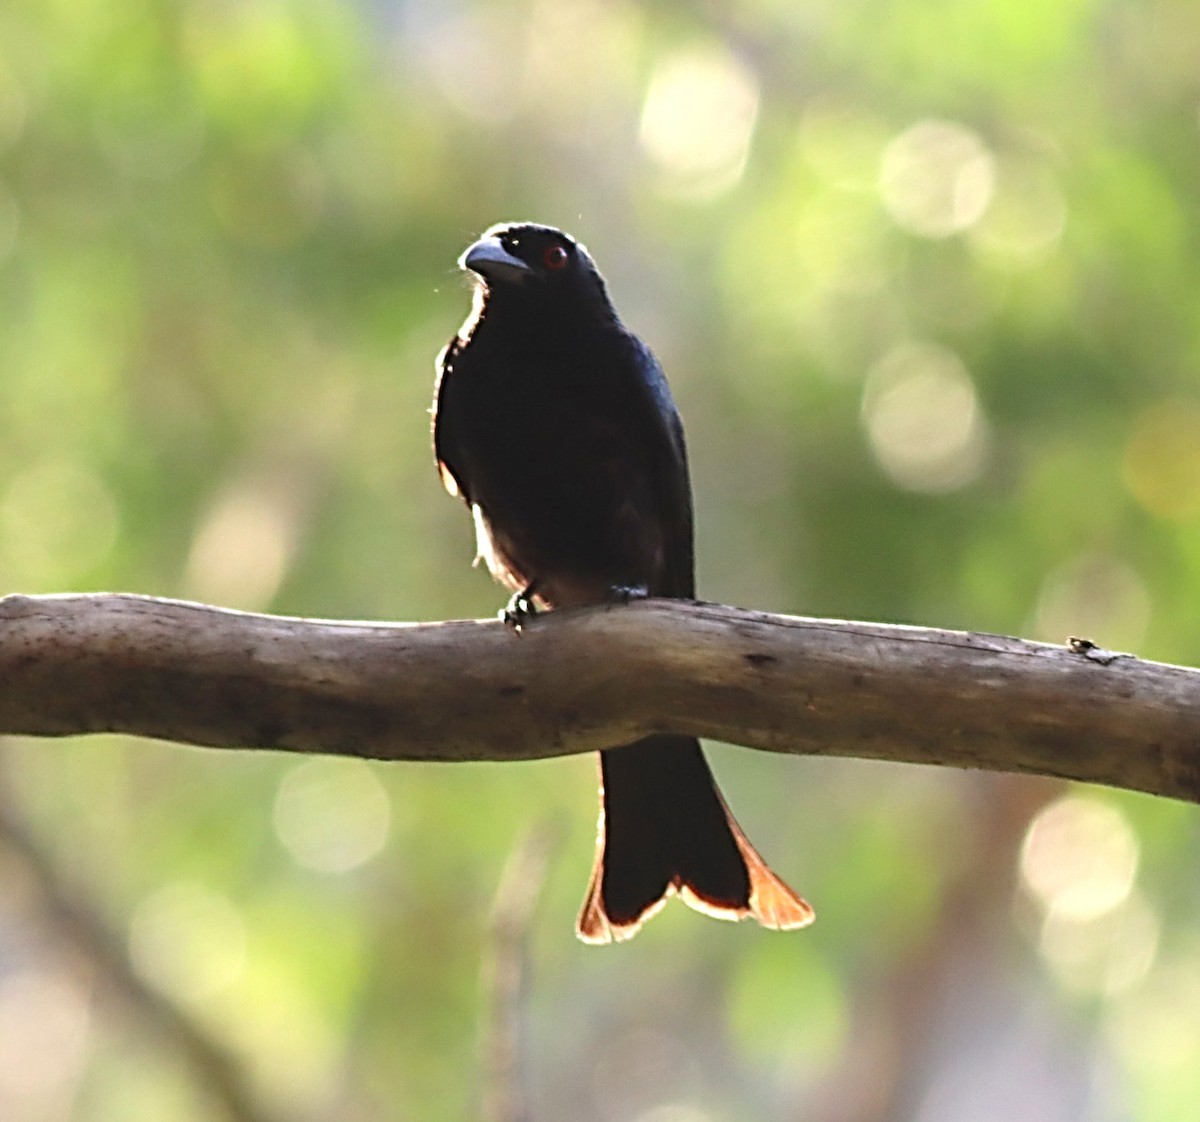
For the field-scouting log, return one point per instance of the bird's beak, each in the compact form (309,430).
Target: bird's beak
(492,261)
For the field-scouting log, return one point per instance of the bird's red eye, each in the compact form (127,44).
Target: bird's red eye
(554,257)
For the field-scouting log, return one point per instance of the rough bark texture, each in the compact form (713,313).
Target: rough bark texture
(578,680)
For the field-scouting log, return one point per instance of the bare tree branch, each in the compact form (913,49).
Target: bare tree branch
(583,679)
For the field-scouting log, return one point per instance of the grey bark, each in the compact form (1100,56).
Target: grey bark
(578,680)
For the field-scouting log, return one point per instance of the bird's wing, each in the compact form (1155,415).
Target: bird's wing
(445,443)
(673,490)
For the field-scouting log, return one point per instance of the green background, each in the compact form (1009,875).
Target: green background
(924,277)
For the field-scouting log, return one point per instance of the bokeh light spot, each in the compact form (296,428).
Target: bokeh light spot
(923,418)
(1103,954)
(243,547)
(1079,858)
(937,178)
(1162,460)
(1026,217)
(332,815)
(698,120)
(1096,597)
(188,940)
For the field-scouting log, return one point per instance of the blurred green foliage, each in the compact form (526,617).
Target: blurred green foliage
(924,277)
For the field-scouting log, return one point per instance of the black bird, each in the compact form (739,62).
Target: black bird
(556,426)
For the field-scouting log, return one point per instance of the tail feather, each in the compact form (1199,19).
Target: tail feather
(664,829)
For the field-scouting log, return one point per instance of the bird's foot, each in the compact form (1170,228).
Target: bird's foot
(624,593)
(521,608)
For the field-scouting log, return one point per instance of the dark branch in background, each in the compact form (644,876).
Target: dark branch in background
(505,978)
(579,680)
(214,1069)
(953,974)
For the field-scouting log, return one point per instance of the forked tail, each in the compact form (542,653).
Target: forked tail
(665,829)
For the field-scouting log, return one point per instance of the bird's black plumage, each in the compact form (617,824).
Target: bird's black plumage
(556,426)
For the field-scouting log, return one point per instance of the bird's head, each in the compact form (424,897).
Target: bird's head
(535,261)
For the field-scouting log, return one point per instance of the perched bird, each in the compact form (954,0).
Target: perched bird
(555,425)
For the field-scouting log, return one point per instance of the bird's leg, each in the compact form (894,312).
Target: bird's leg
(623,593)
(521,608)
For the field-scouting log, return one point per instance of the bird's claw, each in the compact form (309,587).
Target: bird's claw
(520,609)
